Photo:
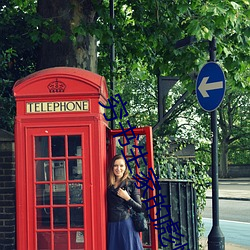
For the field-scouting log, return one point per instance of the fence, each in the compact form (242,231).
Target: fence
(181,197)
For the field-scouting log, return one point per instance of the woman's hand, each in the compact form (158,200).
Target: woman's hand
(123,194)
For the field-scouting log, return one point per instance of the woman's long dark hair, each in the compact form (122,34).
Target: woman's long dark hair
(111,175)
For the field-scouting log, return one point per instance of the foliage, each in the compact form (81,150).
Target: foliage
(6,99)
(172,167)
(138,88)
(7,107)
(16,26)
(145,36)
(17,54)
(234,117)
(146,33)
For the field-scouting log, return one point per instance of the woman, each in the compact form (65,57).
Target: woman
(122,195)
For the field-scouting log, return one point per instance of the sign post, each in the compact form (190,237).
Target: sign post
(210,90)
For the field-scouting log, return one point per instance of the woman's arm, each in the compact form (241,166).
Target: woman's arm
(132,197)
(135,201)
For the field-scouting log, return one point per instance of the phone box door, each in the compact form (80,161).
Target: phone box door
(59,205)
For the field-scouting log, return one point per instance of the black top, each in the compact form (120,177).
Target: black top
(118,208)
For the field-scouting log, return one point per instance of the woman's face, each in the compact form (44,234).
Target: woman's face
(119,168)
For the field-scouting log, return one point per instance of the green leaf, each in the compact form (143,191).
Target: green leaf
(235,5)
(194,28)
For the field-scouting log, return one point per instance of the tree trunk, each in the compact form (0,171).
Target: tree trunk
(75,49)
(223,166)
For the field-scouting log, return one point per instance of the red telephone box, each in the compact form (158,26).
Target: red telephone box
(61,160)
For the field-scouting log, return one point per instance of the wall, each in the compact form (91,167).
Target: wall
(238,171)
(7,191)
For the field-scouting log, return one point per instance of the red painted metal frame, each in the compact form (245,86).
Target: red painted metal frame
(83,85)
(147,131)
(80,85)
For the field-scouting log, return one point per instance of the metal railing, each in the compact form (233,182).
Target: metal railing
(181,196)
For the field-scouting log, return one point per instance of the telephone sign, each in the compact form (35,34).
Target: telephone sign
(210,86)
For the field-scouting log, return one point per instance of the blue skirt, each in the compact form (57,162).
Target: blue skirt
(122,236)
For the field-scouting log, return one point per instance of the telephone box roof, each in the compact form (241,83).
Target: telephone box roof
(94,81)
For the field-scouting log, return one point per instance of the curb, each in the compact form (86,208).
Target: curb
(230,198)
(244,179)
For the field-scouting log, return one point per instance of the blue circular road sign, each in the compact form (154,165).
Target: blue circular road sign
(210,86)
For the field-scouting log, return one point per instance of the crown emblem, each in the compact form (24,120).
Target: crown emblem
(56,86)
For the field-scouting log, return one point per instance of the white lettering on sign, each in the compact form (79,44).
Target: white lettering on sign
(49,107)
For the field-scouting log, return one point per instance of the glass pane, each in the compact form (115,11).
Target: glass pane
(58,146)
(61,240)
(75,169)
(77,240)
(75,193)
(74,145)
(59,194)
(60,217)
(42,170)
(45,194)
(41,146)
(58,170)
(41,194)
(118,146)
(76,216)
(143,166)
(130,148)
(43,241)
(43,218)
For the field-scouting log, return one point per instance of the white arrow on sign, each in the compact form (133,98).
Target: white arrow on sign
(204,86)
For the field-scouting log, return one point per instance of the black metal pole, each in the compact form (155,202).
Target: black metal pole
(216,240)
(160,110)
(112,59)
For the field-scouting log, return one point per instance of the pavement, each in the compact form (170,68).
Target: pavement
(229,194)
(228,246)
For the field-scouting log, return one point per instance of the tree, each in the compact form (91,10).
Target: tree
(68,40)
(17,54)
(156,26)
(234,119)
(145,34)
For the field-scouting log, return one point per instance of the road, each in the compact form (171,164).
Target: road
(232,210)
(234,232)
(234,213)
